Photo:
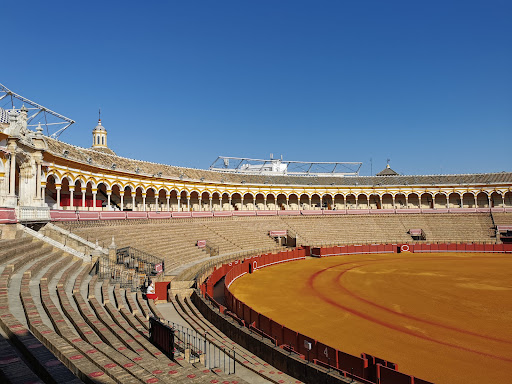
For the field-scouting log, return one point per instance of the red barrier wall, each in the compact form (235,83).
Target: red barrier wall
(266,213)
(161,289)
(136,215)
(85,215)
(202,214)
(113,215)
(327,354)
(364,368)
(353,364)
(181,214)
(222,213)
(8,216)
(159,215)
(390,376)
(393,248)
(57,215)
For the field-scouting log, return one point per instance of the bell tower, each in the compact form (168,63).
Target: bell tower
(99,135)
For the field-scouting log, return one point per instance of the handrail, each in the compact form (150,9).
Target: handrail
(140,261)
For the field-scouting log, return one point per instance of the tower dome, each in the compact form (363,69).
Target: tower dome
(99,136)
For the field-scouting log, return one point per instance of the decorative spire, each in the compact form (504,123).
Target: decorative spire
(99,134)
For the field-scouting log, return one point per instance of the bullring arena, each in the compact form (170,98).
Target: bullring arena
(259,277)
(439,316)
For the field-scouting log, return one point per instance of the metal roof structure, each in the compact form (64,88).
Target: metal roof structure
(54,123)
(244,165)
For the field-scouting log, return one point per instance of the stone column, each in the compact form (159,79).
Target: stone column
(229,203)
(200,199)
(476,201)
(144,201)
(43,192)
(38,179)
(265,208)
(94,193)
(83,190)
(12,172)
(168,198)
(57,188)
(188,203)
(211,203)
(71,192)
(179,203)
(108,199)
(121,195)
(157,208)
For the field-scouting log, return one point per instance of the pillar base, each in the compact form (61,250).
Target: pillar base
(9,201)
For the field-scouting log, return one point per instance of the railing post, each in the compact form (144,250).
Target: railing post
(234,361)
(205,345)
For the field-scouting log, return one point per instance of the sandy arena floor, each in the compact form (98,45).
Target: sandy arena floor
(446,318)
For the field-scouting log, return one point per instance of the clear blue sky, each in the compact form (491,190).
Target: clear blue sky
(427,84)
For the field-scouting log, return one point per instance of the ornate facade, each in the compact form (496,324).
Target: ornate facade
(38,172)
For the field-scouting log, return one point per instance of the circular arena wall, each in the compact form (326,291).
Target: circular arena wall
(441,316)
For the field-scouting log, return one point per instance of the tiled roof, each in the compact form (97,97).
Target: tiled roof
(387,172)
(111,161)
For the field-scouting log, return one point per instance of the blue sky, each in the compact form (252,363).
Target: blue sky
(426,84)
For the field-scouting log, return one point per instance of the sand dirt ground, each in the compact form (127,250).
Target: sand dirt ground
(446,317)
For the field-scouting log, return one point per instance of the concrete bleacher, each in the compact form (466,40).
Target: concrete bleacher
(501,218)
(358,229)
(57,334)
(175,240)
(246,358)
(25,350)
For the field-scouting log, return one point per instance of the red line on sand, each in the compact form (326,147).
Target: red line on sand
(385,324)
(412,317)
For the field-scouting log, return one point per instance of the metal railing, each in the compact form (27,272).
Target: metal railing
(117,274)
(140,261)
(196,347)
(211,249)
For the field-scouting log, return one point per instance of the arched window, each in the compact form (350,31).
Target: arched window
(102,140)
(97,139)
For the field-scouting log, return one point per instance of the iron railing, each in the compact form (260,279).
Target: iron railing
(211,249)
(196,347)
(140,261)
(117,274)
